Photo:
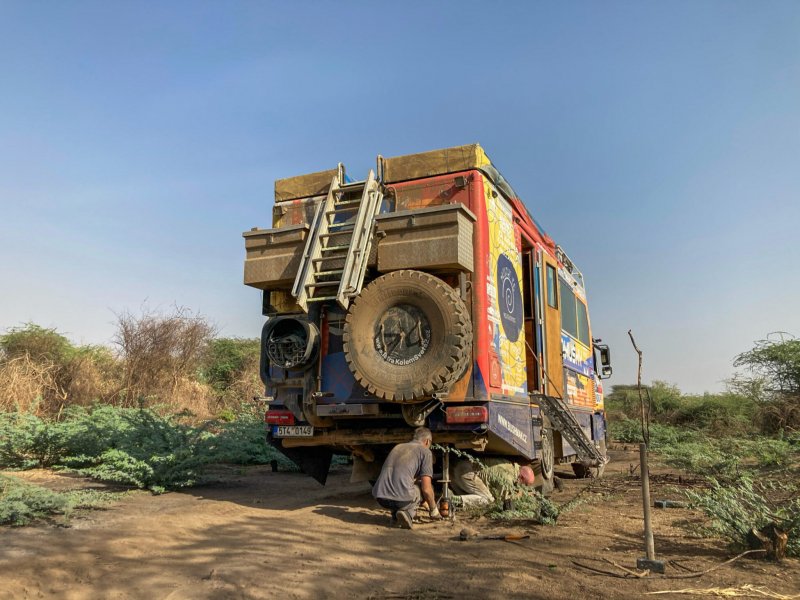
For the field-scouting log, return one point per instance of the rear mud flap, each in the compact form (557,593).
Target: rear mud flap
(314,462)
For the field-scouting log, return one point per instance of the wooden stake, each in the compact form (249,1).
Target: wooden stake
(649,545)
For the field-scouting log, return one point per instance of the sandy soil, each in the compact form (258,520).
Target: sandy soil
(259,534)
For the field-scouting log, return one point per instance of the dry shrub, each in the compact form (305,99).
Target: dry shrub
(780,414)
(28,385)
(159,353)
(92,376)
(195,397)
(243,388)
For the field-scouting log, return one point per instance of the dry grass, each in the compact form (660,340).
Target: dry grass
(27,385)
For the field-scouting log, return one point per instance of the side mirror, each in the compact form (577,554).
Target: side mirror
(605,370)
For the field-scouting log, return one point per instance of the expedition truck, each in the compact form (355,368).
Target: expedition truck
(425,294)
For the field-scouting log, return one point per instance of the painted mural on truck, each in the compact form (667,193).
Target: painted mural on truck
(504,298)
(576,356)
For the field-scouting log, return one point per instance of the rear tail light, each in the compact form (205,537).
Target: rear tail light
(467,414)
(279,417)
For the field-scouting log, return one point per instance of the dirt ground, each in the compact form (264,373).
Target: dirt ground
(259,534)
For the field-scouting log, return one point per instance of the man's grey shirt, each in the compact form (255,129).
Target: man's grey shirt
(405,463)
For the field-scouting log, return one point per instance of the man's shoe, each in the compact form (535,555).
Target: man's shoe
(404,519)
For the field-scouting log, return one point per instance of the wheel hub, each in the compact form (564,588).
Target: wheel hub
(402,335)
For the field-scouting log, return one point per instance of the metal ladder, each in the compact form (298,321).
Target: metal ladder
(337,250)
(565,422)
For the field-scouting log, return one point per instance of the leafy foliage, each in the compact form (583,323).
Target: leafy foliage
(734,510)
(777,361)
(725,413)
(228,359)
(136,447)
(22,502)
(39,343)
(527,505)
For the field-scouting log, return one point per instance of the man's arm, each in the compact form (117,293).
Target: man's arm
(427,495)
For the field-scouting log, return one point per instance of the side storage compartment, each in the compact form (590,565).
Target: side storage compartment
(435,238)
(273,256)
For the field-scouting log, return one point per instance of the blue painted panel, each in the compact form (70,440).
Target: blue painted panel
(598,427)
(512,424)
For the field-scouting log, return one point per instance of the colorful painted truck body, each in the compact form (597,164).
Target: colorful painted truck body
(462,315)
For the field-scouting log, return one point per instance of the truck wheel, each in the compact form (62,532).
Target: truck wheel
(583,471)
(407,336)
(546,467)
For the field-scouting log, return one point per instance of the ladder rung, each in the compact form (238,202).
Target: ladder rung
(325,236)
(319,284)
(351,186)
(327,258)
(343,226)
(321,299)
(329,273)
(347,202)
(334,248)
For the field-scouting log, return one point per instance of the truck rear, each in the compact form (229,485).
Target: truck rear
(424,294)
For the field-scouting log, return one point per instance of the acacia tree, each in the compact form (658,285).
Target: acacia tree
(775,367)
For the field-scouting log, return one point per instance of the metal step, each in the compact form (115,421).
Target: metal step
(565,422)
(347,202)
(320,284)
(342,225)
(334,248)
(352,186)
(337,233)
(321,298)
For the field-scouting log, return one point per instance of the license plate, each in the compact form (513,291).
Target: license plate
(293,431)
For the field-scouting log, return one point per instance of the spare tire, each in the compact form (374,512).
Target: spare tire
(407,336)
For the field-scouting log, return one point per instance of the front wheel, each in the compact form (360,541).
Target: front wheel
(546,468)
(583,471)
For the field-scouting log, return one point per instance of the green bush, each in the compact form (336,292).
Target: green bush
(528,505)
(135,447)
(734,510)
(702,457)
(698,452)
(40,343)
(243,442)
(661,436)
(21,502)
(726,413)
(227,359)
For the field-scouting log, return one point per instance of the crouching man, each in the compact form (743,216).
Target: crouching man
(408,467)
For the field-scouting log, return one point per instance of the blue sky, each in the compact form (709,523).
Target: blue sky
(658,143)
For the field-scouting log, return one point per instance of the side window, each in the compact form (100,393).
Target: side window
(583,324)
(569,318)
(552,297)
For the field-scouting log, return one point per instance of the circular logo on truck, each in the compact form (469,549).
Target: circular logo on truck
(509,298)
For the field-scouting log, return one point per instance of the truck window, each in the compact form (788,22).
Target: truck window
(583,323)
(569,316)
(552,298)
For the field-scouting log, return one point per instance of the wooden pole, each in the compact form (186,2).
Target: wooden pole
(649,546)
